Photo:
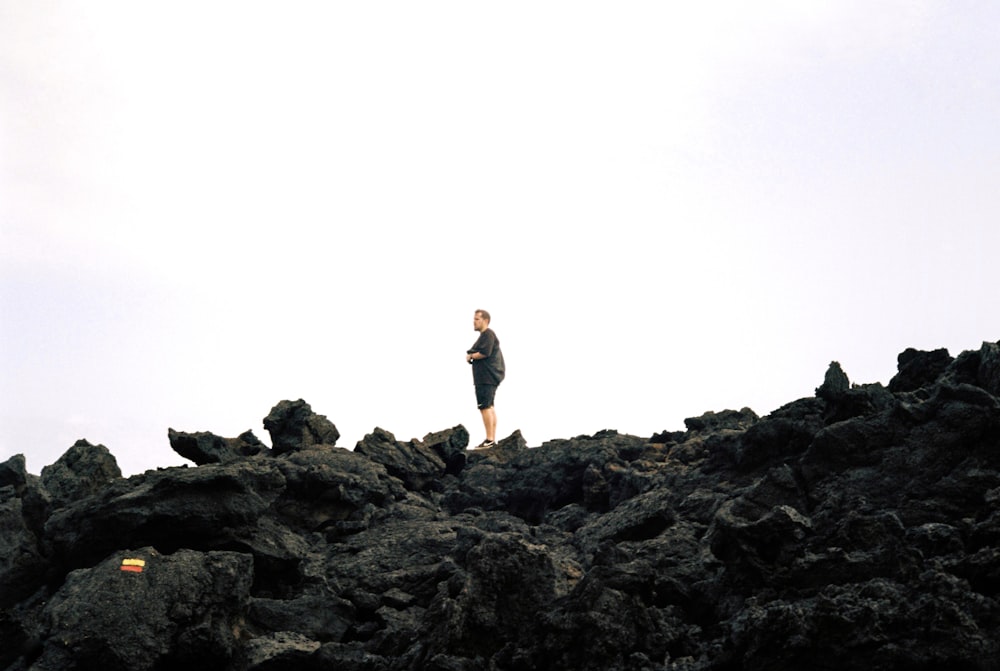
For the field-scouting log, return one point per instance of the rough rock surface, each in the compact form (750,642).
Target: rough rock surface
(203,447)
(83,470)
(294,426)
(856,529)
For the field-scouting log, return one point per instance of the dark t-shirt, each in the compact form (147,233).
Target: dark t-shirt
(490,370)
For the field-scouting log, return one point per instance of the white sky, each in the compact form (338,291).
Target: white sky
(668,207)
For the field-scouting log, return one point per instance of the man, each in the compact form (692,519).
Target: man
(487,373)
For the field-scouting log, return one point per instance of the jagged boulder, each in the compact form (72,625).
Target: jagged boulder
(22,565)
(16,482)
(24,507)
(334,491)
(641,518)
(494,603)
(14,474)
(203,447)
(293,426)
(450,446)
(416,464)
(83,470)
(175,611)
(842,401)
(835,383)
(733,420)
(528,483)
(786,432)
(211,506)
(761,545)
(980,368)
(514,441)
(918,369)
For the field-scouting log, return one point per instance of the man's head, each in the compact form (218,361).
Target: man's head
(481,321)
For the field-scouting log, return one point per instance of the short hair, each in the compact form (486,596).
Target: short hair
(484,314)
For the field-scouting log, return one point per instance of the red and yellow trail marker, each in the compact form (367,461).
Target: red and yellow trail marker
(133,565)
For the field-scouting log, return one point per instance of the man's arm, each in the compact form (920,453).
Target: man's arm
(483,347)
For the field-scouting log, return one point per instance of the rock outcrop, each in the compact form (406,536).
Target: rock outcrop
(856,529)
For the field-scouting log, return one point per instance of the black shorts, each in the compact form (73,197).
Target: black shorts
(484,395)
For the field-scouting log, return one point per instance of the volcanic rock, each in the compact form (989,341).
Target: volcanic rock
(855,529)
(294,426)
(180,610)
(917,369)
(83,470)
(204,447)
(417,465)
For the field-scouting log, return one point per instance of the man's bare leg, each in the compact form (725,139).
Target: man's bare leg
(490,422)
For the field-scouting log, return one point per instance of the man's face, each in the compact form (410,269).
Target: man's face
(478,323)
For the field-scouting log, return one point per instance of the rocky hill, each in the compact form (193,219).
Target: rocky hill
(856,529)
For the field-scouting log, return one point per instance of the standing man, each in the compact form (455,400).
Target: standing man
(487,373)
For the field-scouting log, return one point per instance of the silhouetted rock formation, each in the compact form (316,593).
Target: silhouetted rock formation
(203,447)
(857,529)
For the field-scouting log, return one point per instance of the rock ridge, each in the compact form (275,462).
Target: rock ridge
(855,529)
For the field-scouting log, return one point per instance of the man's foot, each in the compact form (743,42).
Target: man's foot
(486,443)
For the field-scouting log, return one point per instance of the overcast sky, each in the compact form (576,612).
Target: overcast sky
(668,208)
